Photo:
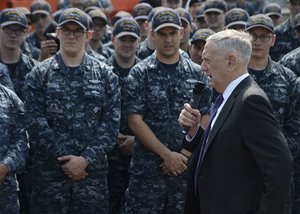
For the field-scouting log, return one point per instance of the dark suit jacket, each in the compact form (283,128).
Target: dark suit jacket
(247,164)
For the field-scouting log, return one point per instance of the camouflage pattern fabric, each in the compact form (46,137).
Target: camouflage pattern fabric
(286,41)
(13,149)
(158,94)
(292,61)
(71,111)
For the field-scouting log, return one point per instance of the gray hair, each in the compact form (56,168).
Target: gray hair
(230,40)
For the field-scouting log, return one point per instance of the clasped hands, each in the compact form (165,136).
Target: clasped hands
(176,162)
(74,167)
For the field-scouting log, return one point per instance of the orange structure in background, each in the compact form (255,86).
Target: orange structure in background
(24,3)
(125,5)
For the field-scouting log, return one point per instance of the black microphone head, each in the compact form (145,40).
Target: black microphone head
(198,87)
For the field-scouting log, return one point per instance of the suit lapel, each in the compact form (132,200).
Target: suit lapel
(226,110)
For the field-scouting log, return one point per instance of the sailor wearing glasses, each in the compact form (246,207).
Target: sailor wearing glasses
(279,83)
(73,107)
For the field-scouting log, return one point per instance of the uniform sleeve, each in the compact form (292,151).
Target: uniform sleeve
(108,128)
(16,155)
(42,136)
(5,78)
(134,92)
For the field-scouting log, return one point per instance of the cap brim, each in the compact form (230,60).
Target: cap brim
(185,20)
(167,25)
(214,10)
(273,14)
(200,16)
(141,18)
(197,40)
(297,25)
(100,17)
(124,33)
(259,25)
(13,23)
(64,22)
(236,23)
(40,12)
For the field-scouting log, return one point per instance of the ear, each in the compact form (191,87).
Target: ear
(152,34)
(146,23)
(273,40)
(232,61)
(181,32)
(113,39)
(89,34)
(57,31)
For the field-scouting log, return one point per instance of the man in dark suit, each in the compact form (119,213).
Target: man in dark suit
(243,164)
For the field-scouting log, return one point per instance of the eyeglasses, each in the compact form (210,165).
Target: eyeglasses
(17,31)
(263,38)
(77,32)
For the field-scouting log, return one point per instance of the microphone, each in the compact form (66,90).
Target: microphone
(195,100)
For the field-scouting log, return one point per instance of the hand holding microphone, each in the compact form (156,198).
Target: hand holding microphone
(189,117)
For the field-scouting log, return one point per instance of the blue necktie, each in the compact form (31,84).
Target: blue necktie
(217,104)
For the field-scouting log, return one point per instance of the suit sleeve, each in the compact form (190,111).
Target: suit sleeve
(193,144)
(269,148)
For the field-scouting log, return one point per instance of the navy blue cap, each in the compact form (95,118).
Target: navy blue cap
(184,15)
(24,10)
(272,9)
(120,15)
(219,6)
(166,17)
(56,15)
(126,26)
(200,12)
(201,35)
(74,15)
(11,16)
(91,5)
(97,13)
(40,6)
(141,11)
(236,16)
(153,11)
(260,20)
(194,1)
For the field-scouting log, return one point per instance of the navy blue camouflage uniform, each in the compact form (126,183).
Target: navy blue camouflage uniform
(158,94)
(5,78)
(143,51)
(24,66)
(17,77)
(97,56)
(286,40)
(105,50)
(292,61)
(118,176)
(30,50)
(13,149)
(71,111)
(279,83)
(33,40)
